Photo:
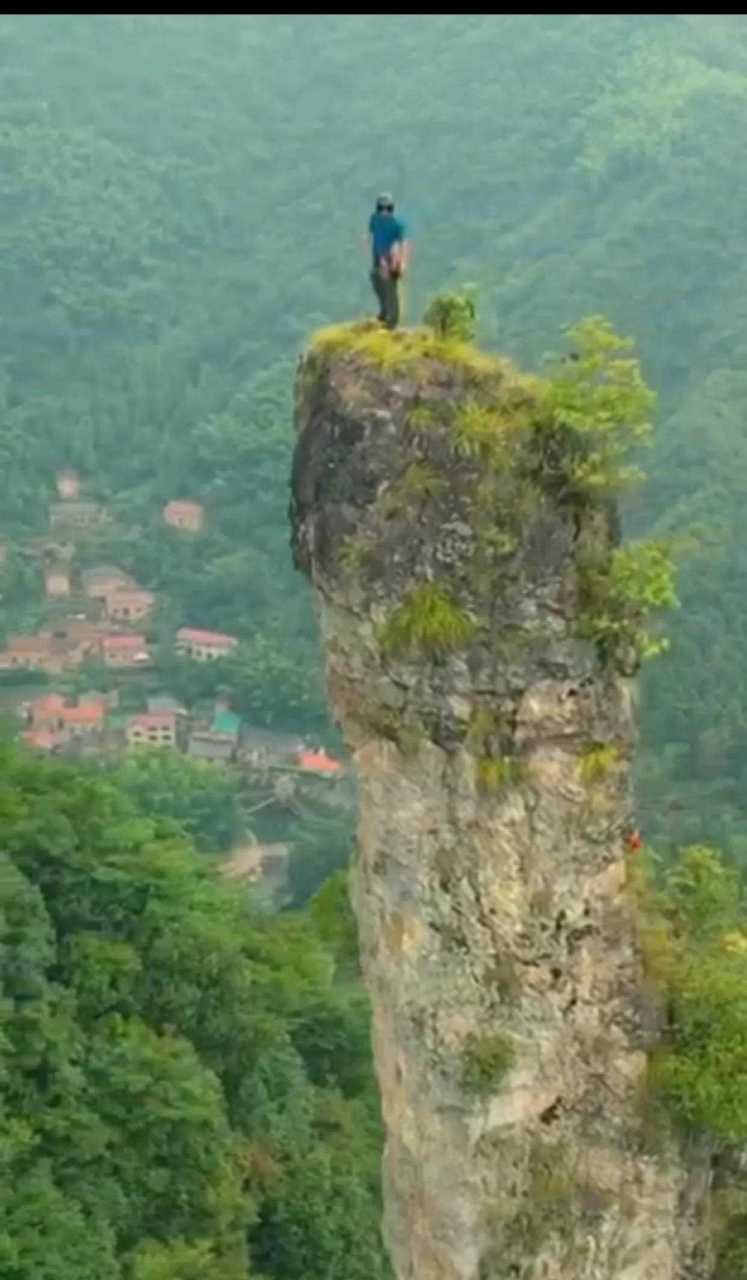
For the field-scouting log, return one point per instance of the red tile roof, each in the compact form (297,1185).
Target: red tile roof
(91,713)
(153,720)
(183,507)
(194,635)
(318,760)
(50,705)
(123,642)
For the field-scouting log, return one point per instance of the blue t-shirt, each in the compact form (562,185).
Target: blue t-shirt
(387,230)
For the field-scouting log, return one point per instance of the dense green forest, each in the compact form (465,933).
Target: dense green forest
(183,198)
(186,1087)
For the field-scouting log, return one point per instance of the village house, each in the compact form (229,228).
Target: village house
(206,744)
(66,647)
(152,729)
(204,646)
(128,606)
(219,740)
(165,702)
(56,581)
(75,515)
(184,515)
(83,720)
(68,483)
(46,712)
(104,580)
(226,721)
(79,629)
(73,640)
(124,650)
(32,653)
(52,715)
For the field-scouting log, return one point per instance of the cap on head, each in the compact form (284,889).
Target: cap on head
(385,201)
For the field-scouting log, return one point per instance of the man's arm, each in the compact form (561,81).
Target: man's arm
(399,256)
(401,249)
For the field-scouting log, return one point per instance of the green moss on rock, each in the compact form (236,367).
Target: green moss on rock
(598,761)
(486,1060)
(496,773)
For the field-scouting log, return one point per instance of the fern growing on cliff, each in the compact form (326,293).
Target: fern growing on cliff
(420,483)
(420,419)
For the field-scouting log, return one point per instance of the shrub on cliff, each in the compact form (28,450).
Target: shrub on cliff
(486,1060)
(694,940)
(598,393)
(453,315)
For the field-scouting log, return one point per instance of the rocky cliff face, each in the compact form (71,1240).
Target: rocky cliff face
(447,545)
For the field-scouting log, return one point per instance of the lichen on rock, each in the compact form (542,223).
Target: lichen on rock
(441,507)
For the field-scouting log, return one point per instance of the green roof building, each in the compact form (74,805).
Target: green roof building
(226,722)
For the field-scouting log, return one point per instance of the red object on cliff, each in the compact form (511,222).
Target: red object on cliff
(635,843)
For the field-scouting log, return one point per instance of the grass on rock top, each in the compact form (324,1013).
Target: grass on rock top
(402,347)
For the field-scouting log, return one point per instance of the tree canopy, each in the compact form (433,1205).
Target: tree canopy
(186,1087)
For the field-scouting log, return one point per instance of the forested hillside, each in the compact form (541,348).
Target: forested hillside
(186,1088)
(183,198)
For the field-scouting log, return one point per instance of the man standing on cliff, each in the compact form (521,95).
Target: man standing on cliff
(391,250)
